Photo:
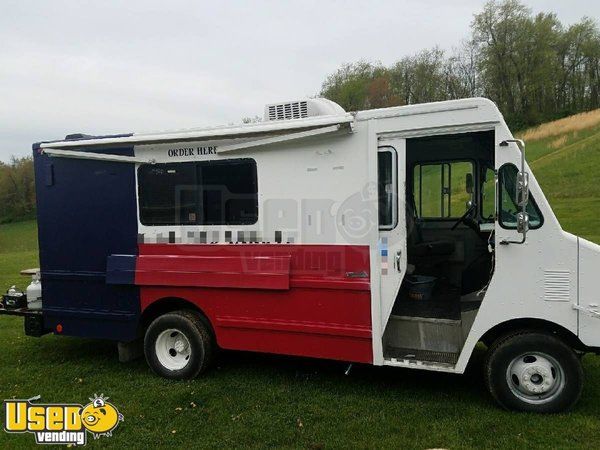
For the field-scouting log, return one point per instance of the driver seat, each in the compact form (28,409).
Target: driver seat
(437,250)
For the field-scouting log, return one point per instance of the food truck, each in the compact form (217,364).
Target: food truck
(401,237)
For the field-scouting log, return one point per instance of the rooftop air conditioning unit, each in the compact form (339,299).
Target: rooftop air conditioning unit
(302,108)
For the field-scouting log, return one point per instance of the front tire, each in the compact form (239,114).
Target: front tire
(535,372)
(178,345)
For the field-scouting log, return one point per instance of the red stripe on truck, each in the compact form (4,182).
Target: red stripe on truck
(307,300)
(259,272)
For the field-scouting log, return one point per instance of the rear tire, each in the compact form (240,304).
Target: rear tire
(535,372)
(178,345)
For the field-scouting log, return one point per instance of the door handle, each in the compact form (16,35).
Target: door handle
(590,311)
(397,260)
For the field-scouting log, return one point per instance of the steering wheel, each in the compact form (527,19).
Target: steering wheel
(463,218)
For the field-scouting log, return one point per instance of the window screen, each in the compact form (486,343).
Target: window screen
(203,193)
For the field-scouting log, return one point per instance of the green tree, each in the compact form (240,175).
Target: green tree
(533,67)
(17,189)
(359,85)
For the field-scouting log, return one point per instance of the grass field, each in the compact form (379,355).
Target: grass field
(565,158)
(251,400)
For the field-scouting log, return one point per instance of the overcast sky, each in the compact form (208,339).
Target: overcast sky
(120,66)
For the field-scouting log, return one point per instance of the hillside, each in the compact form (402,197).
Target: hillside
(564,155)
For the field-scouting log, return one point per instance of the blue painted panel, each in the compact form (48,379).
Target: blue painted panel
(86,212)
(120,269)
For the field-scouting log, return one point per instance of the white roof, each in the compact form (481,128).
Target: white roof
(426,108)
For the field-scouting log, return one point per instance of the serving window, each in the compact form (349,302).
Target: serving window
(198,193)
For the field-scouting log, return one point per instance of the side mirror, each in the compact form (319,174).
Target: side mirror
(522,223)
(469,183)
(522,193)
(522,189)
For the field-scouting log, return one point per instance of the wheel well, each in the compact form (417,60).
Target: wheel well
(168,304)
(535,325)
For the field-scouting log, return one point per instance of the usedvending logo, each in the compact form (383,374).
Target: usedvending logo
(62,423)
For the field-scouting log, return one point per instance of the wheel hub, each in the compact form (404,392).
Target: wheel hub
(179,346)
(535,377)
(173,349)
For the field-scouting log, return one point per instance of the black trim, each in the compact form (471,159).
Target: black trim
(392,150)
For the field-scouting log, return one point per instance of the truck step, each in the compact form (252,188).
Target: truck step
(420,355)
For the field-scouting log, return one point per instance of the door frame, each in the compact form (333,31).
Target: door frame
(391,240)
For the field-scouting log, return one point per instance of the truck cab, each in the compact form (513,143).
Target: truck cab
(479,256)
